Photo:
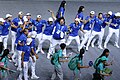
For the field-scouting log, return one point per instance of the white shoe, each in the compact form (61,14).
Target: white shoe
(42,51)
(116,45)
(92,45)
(100,47)
(86,48)
(105,46)
(48,56)
(37,51)
(34,77)
(19,69)
(16,64)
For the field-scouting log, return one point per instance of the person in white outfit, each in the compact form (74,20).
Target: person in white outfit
(74,28)
(34,55)
(87,27)
(107,20)
(96,30)
(47,34)
(114,29)
(14,30)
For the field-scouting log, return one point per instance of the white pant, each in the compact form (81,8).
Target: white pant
(70,38)
(94,33)
(54,43)
(19,59)
(33,65)
(111,31)
(13,36)
(39,37)
(45,37)
(85,39)
(4,40)
(25,70)
(102,35)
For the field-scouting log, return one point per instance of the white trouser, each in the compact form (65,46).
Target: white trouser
(45,37)
(85,39)
(102,35)
(4,40)
(39,37)
(25,70)
(19,59)
(81,35)
(94,33)
(111,31)
(54,43)
(33,65)
(70,38)
(13,36)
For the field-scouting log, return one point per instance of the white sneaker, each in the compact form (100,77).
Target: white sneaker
(86,48)
(34,77)
(16,64)
(100,47)
(105,46)
(42,51)
(37,51)
(19,69)
(92,45)
(116,45)
(48,56)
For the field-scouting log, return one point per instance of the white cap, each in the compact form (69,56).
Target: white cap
(92,12)
(117,14)
(28,14)
(38,16)
(29,40)
(20,23)
(77,19)
(50,19)
(8,15)
(20,13)
(109,12)
(25,18)
(33,34)
(2,20)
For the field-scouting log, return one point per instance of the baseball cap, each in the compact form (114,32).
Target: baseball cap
(8,15)
(28,14)
(109,12)
(38,16)
(77,19)
(2,20)
(20,13)
(29,40)
(92,12)
(50,19)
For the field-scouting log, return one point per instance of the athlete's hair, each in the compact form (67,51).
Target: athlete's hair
(80,9)
(82,51)
(100,13)
(62,46)
(5,53)
(58,20)
(104,53)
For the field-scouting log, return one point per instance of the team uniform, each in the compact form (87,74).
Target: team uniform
(87,29)
(47,34)
(39,26)
(96,31)
(5,33)
(58,37)
(74,34)
(14,30)
(61,12)
(113,29)
(22,39)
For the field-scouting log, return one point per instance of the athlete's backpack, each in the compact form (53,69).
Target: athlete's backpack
(54,58)
(96,62)
(73,63)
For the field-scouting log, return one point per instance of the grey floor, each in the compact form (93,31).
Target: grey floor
(44,68)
